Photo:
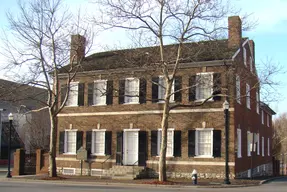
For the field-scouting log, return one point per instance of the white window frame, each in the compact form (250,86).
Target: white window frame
(268,145)
(249,143)
(262,146)
(100,100)
(162,88)
(267,119)
(248,96)
(72,100)
(244,56)
(262,117)
(197,130)
(66,141)
(94,132)
(251,64)
(199,88)
(170,142)
(238,93)
(239,143)
(135,93)
(258,144)
(257,102)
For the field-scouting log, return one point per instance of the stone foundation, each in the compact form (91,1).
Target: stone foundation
(261,170)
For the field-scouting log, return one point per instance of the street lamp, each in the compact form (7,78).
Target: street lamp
(10,117)
(226,116)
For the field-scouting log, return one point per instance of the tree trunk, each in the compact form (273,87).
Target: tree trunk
(53,140)
(164,127)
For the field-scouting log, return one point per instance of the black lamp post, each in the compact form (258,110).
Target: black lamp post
(226,116)
(10,117)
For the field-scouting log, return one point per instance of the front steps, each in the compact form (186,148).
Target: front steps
(125,172)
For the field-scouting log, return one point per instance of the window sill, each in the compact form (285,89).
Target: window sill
(96,154)
(162,102)
(239,157)
(134,103)
(71,105)
(203,156)
(99,105)
(69,153)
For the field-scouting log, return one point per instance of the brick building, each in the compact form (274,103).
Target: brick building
(114,110)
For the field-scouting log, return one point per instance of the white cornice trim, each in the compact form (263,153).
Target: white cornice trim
(235,54)
(141,112)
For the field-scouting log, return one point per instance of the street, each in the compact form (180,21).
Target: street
(278,185)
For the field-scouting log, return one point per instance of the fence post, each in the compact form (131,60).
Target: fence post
(19,162)
(39,156)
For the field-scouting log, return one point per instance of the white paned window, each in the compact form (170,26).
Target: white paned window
(267,119)
(100,89)
(262,117)
(132,90)
(204,86)
(249,143)
(251,64)
(98,142)
(170,136)
(258,144)
(204,142)
(257,102)
(238,94)
(73,94)
(247,96)
(239,143)
(268,145)
(262,146)
(244,56)
(162,88)
(70,142)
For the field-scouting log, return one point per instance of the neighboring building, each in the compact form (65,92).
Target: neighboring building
(114,111)
(30,129)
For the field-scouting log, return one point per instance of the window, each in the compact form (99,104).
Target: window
(267,119)
(238,94)
(244,56)
(262,146)
(132,90)
(268,149)
(238,143)
(258,143)
(251,64)
(100,91)
(162,88)
(70,142)
(204,142)
(73,94)
(247,96)
(169,150)
(257,102)
(262,117)
(249,143)
(204,86)
(98,142)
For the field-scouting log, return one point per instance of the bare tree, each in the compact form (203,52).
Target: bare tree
(37,47)
(280,135)
(164,22)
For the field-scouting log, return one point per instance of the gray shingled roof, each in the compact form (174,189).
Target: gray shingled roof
(147,56)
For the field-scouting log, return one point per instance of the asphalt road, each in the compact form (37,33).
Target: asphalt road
(279,185)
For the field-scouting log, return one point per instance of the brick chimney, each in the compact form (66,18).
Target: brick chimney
(78,45)
(234,31)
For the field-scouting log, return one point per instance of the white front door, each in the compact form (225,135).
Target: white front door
(131,141)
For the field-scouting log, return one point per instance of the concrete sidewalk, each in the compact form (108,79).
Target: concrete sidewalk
(178,183)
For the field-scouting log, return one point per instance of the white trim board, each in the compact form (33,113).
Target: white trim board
(141,112)
(156,162)
(193,163)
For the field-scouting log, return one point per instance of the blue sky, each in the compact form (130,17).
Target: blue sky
(270,35)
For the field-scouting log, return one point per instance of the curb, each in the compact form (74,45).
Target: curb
(271,179)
